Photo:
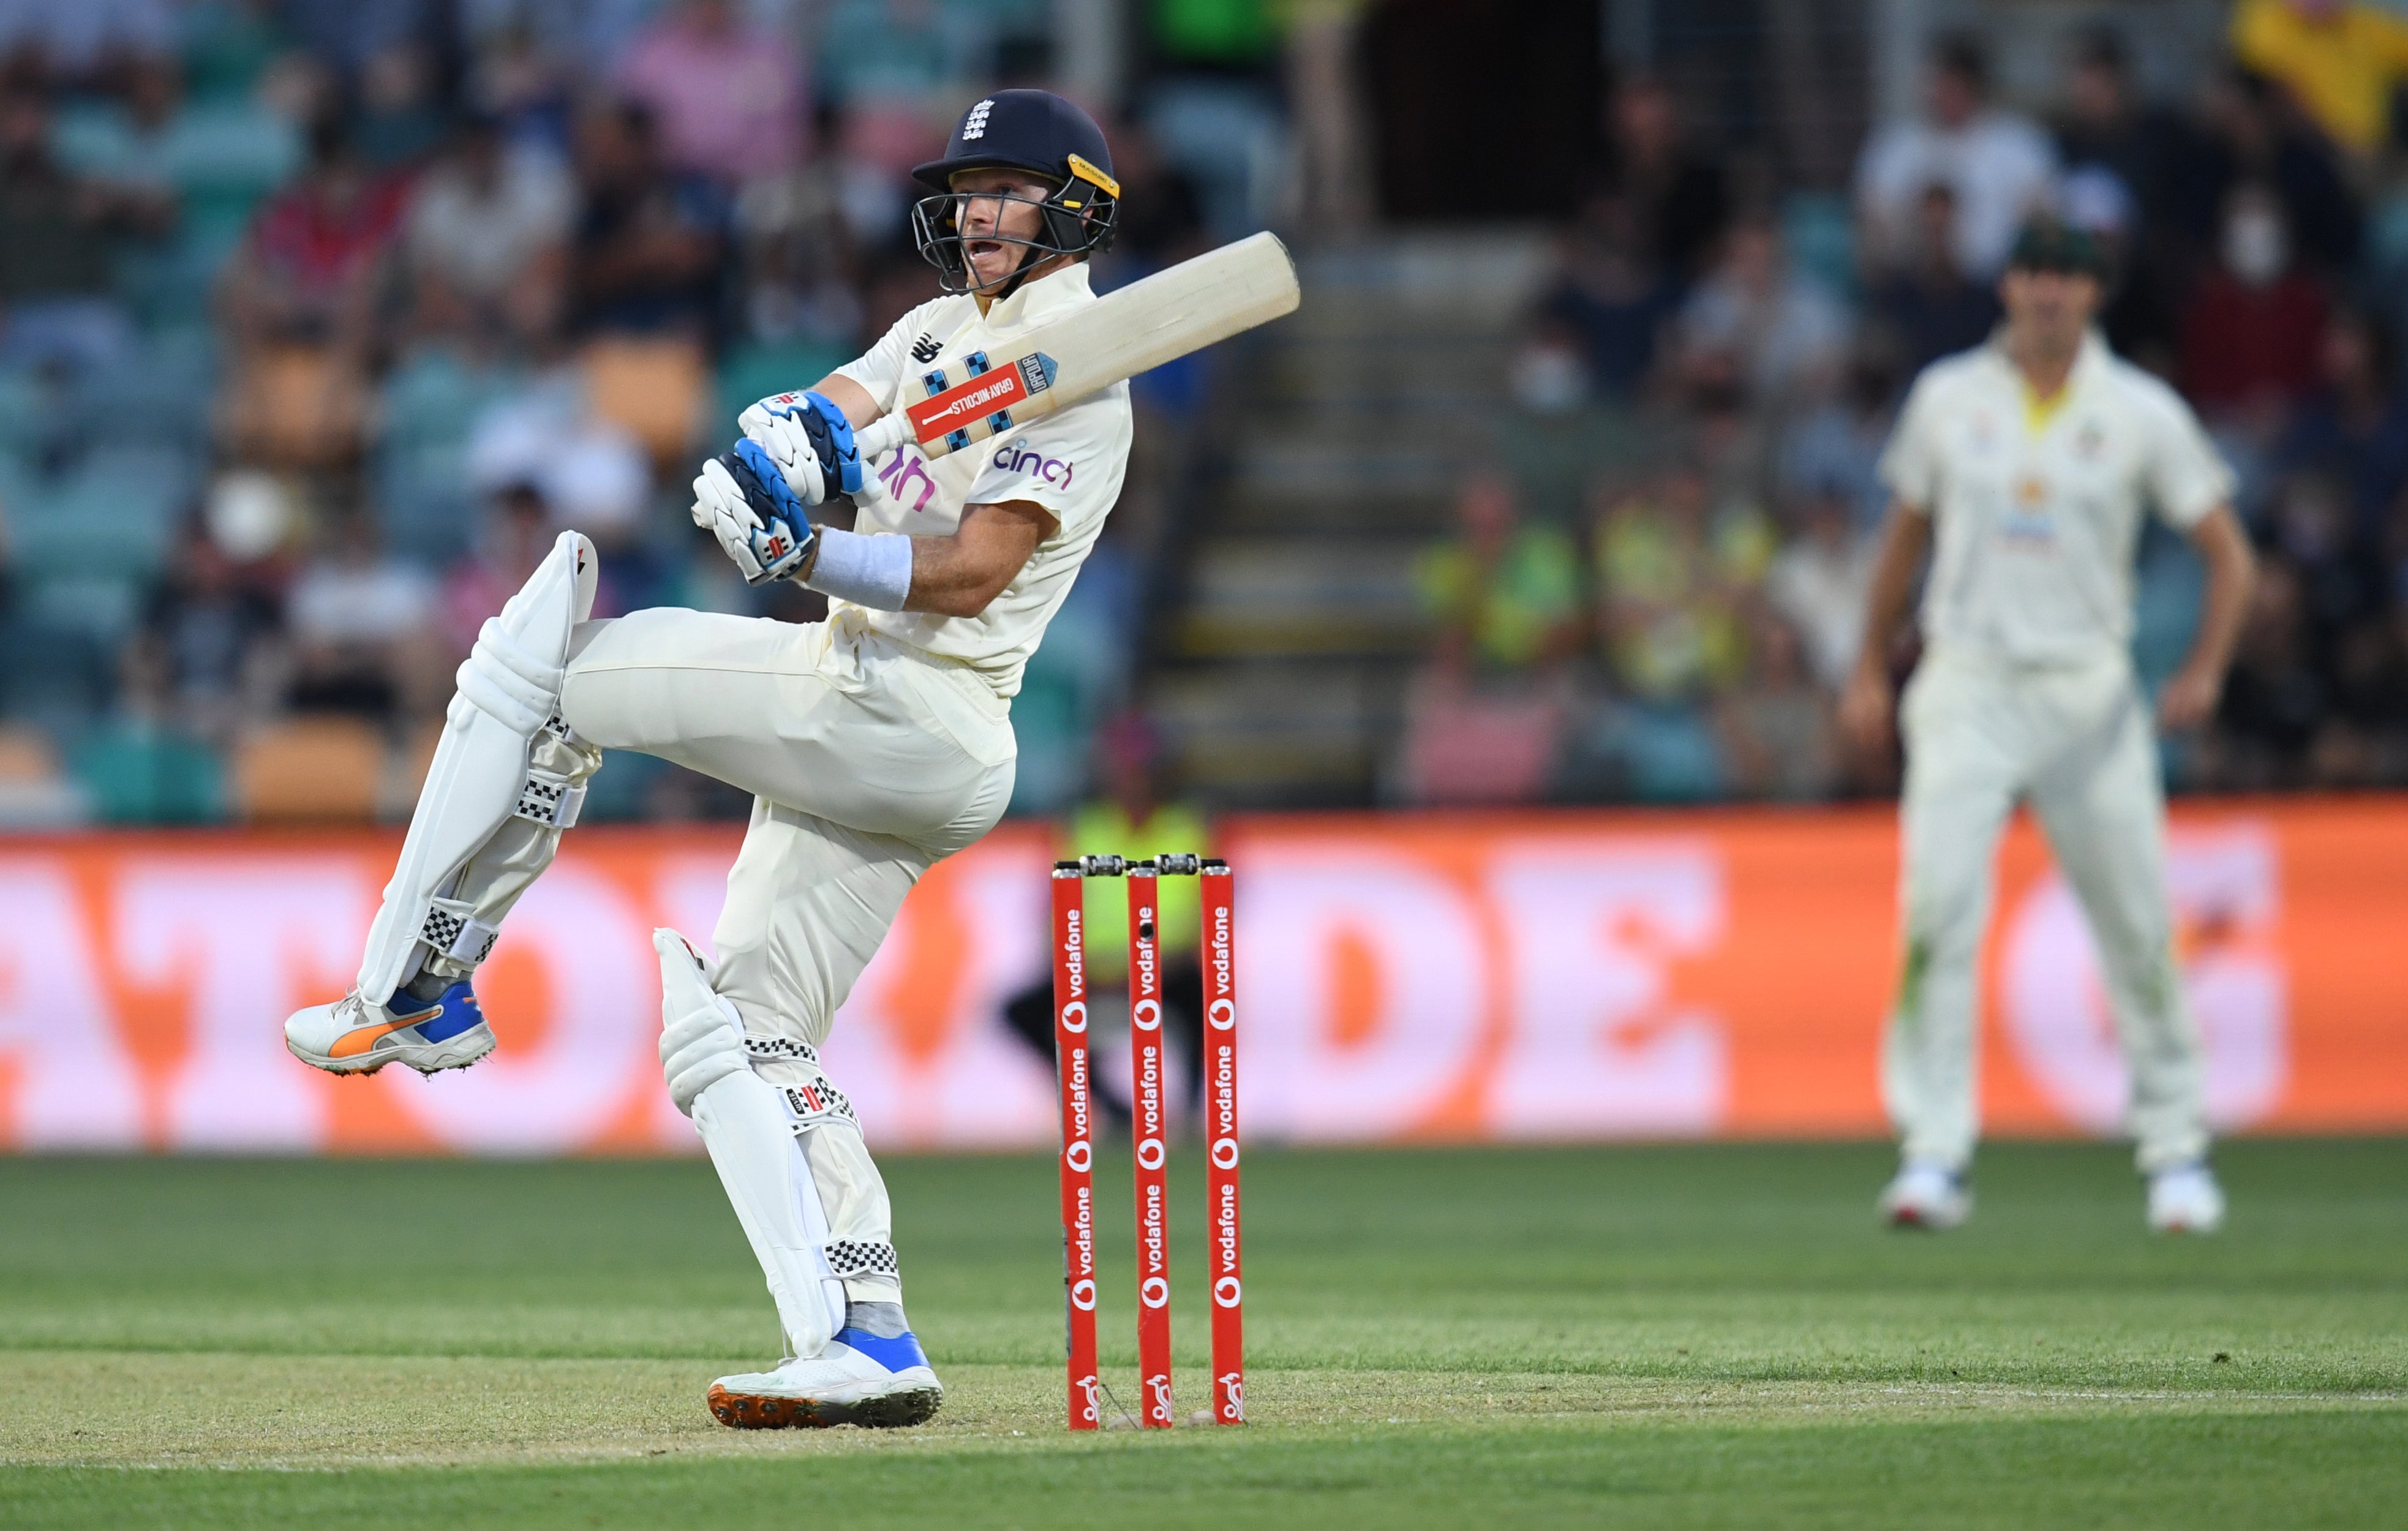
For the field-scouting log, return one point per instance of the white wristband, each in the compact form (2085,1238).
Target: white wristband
(874,571)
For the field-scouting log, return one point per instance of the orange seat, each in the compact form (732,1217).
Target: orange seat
(294,406)
(310,770)
(651,387)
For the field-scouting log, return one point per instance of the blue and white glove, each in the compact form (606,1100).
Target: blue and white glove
(811,441)
(744,501)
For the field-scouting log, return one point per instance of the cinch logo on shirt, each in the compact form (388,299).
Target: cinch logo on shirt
(1017,458)
(905,469)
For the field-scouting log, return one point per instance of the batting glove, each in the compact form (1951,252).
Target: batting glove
(743,500)
(809,439)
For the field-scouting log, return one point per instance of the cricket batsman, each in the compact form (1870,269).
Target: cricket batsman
(874,743)
(2023,466)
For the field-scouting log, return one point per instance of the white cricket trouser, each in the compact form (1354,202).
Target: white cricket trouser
(2076,740)
(868,762)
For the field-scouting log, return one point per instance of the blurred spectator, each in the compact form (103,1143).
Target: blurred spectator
(2364,741)
(487,234)
(1135,815)
(1834,449)
(1927,305)
(2352,430)
(1817,584)
(729,95)
(55,252)
(211,642)
(1783,332)
(515,534)
(400,121)
(1778,740)
(314,268)
(1668,584)
(2274,698)
(2311,528)
(1502,596)
(651,241)
(1333,192)
(798,264)
(2128,166)
(1614,299)
(2344,61)
(2255,134)
(1679,197)
(1213,102)
(74,39)
(2251,333)
(1161,218)
(2147,148)
(1998,164)
(362,624)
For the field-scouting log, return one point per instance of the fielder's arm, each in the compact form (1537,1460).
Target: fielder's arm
(2190,695)
(1864,705)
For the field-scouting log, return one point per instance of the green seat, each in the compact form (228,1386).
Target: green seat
(755,372)
(140,773)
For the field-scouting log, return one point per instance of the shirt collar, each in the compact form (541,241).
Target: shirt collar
(2088,361)
(1034,300)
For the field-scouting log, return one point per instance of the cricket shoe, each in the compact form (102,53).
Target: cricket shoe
(860,1379)
(353,1037)
(1925,1196)
(2186,1200)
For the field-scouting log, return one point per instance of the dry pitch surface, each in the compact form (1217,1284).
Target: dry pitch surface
(1687,1336)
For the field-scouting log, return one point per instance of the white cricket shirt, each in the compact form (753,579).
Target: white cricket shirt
(2037,510)
(1070,462)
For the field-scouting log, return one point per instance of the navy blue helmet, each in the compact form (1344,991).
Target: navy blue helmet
(1037,132)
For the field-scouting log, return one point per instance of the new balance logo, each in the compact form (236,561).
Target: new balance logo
(924,349)
(974,125)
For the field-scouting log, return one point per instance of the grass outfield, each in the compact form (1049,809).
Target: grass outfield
(1711,1335)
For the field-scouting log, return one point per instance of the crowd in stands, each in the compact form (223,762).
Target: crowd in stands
(1669,616)
(318,320)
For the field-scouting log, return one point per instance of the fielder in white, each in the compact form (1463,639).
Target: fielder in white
(2030,462)
(874,743)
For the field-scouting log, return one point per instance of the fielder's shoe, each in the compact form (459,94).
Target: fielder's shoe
(1925,1196)
(2186,1200)
(352,1037)
(860,1379)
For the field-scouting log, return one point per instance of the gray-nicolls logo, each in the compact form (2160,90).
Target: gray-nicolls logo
(974,125)
(924,349)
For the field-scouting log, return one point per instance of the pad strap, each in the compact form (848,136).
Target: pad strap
(815,1103)
(862,1259)
(453,930)
(550,798)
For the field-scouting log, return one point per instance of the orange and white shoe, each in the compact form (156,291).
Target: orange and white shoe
(871,1380)
(352,1037)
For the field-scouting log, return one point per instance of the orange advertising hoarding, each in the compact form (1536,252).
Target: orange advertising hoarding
(1557,976)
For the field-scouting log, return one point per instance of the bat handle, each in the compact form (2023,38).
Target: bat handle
(882,436)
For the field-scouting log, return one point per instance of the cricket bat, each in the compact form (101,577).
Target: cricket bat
(960,399)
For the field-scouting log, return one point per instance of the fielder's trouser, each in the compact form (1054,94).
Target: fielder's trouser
(2075,740)
(868,762)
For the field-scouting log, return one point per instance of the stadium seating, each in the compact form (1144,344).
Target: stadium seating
(297,406)
(310,770)
(133,771)
(654,388)
(755,372)
(33,793)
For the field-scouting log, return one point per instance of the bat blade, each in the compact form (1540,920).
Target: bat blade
(970,396)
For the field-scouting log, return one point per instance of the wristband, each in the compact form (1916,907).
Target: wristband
(874,571)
